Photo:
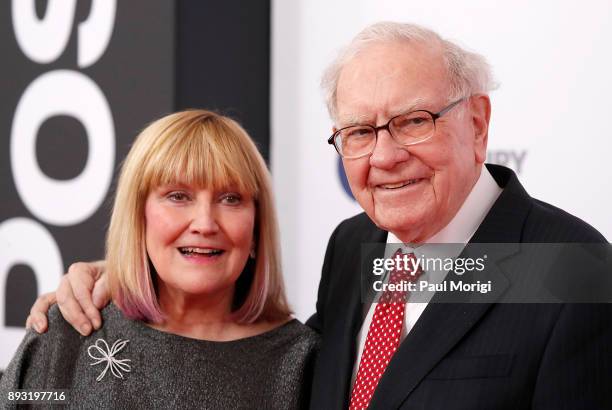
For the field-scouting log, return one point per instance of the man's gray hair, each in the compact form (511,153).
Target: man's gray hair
(469,73)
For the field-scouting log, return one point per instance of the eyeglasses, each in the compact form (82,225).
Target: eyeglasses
(409,128)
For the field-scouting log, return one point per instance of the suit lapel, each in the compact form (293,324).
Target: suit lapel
(442,325)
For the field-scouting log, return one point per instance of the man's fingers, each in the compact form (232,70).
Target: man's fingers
(37,318)
(70,308)
(99,268)
(101,292)
(82,283)
(38,322)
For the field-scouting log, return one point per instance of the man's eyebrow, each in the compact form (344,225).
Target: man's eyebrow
(350,119)
(416,104)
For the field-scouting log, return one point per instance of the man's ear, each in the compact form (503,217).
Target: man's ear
(480,108)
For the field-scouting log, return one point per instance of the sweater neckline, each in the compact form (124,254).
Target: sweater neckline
(167,336)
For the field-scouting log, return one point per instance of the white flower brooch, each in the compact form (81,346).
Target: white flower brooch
(103,354)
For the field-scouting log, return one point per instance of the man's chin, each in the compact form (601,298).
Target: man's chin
(406,227)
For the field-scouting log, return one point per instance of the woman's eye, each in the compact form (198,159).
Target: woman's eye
(231,199)
(177,196)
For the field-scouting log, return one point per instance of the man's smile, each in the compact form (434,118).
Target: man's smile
(401,184)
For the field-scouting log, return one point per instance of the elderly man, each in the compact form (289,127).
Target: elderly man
(411,116)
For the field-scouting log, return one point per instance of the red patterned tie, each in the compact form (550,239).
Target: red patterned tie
(383,337)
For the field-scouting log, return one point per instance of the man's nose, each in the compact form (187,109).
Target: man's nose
(204,220)
(387,152)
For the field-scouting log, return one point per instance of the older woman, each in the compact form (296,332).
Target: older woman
(199,316)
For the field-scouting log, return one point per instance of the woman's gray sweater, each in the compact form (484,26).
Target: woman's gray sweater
(268,371)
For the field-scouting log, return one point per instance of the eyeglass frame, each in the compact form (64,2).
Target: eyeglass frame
(434,116)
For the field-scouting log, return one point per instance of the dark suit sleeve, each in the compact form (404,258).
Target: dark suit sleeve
(316,321)
(576,369)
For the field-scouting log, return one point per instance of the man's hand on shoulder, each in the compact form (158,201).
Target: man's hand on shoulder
(82,293)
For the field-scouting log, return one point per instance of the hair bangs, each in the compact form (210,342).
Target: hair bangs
(202,157)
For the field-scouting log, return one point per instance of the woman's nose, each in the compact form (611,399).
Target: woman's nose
(204,221)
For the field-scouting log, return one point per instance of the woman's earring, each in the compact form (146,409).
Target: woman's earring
(252,254)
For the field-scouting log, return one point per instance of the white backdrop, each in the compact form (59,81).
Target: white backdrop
(550,119)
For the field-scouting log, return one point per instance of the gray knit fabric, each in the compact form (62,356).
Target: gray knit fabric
(268,371)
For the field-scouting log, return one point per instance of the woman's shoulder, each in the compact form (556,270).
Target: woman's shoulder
(299,330)
(34,363)
(292,334)
(58,327)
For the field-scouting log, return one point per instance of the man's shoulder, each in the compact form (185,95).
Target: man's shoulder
(356,223)
(531,220)
(350,235)
(548,223)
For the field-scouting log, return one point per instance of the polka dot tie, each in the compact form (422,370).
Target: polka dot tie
(383,336)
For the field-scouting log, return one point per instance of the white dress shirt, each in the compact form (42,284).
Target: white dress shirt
(458,231)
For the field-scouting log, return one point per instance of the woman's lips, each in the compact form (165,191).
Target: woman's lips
(200,255)
(191,250)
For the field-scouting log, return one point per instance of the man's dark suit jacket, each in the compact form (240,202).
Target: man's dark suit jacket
(471,356)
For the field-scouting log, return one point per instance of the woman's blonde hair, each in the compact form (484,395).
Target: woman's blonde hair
(207,150)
